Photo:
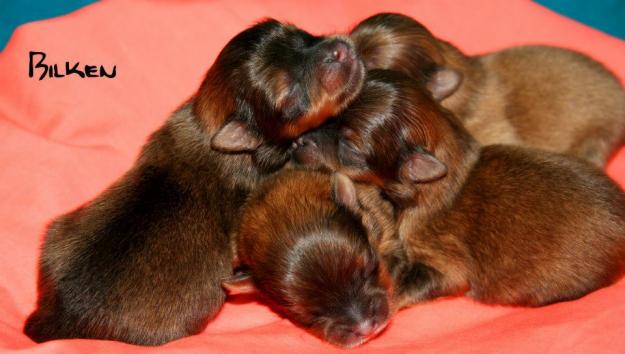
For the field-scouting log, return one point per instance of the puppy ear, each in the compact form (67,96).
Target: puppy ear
(235,136)
(344,192)
(421,166)
(240,283)
(444,82)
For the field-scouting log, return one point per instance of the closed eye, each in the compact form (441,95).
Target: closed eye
(349,156)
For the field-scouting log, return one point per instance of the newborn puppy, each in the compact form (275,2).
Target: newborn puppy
(504,224)
(143,262)
(303,241)
(538,96)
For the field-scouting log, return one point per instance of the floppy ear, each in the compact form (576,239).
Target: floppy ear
(344,192)
(240,283)
(235,136)
(444,82)
(421,166)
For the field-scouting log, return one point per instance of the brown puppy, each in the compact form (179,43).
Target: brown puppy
(303,238)
(143,262)
(544,97)
(504,224)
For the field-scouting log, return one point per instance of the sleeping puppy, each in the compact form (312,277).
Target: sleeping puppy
(142,263)
(303,241)
(538,96)
(502,224)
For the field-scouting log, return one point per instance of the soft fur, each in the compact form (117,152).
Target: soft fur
(304,238)
(503,224)
(143,262)
(538,96)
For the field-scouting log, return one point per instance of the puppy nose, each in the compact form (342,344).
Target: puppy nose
(365,328)
(338,52)
(302,141)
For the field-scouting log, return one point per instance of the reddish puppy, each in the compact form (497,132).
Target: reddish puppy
(503,224)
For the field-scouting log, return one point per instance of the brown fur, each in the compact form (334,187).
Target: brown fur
(304,238)
(538,96)
(143,262)
(503,224)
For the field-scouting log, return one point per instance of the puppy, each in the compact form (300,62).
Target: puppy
(303,241)
(503,224)
(537,96)
(142,263)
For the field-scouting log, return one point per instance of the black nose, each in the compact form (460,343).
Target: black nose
(338,52)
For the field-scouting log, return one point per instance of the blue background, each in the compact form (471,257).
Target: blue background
(605,15)
(16,12)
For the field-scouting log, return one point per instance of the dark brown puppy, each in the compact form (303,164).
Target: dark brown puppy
(303,238)
(143,262)
(538,96)
(505,224)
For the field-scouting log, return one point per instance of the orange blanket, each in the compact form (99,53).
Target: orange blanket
(65,139)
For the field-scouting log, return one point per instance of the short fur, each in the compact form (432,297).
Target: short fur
(537,96)
(143,262)
(304,238)
(503,224)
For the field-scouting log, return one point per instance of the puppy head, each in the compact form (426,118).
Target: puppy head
(271,83)
(338,289)
(398,42)
(314,261)
(317,149)
(394,136)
